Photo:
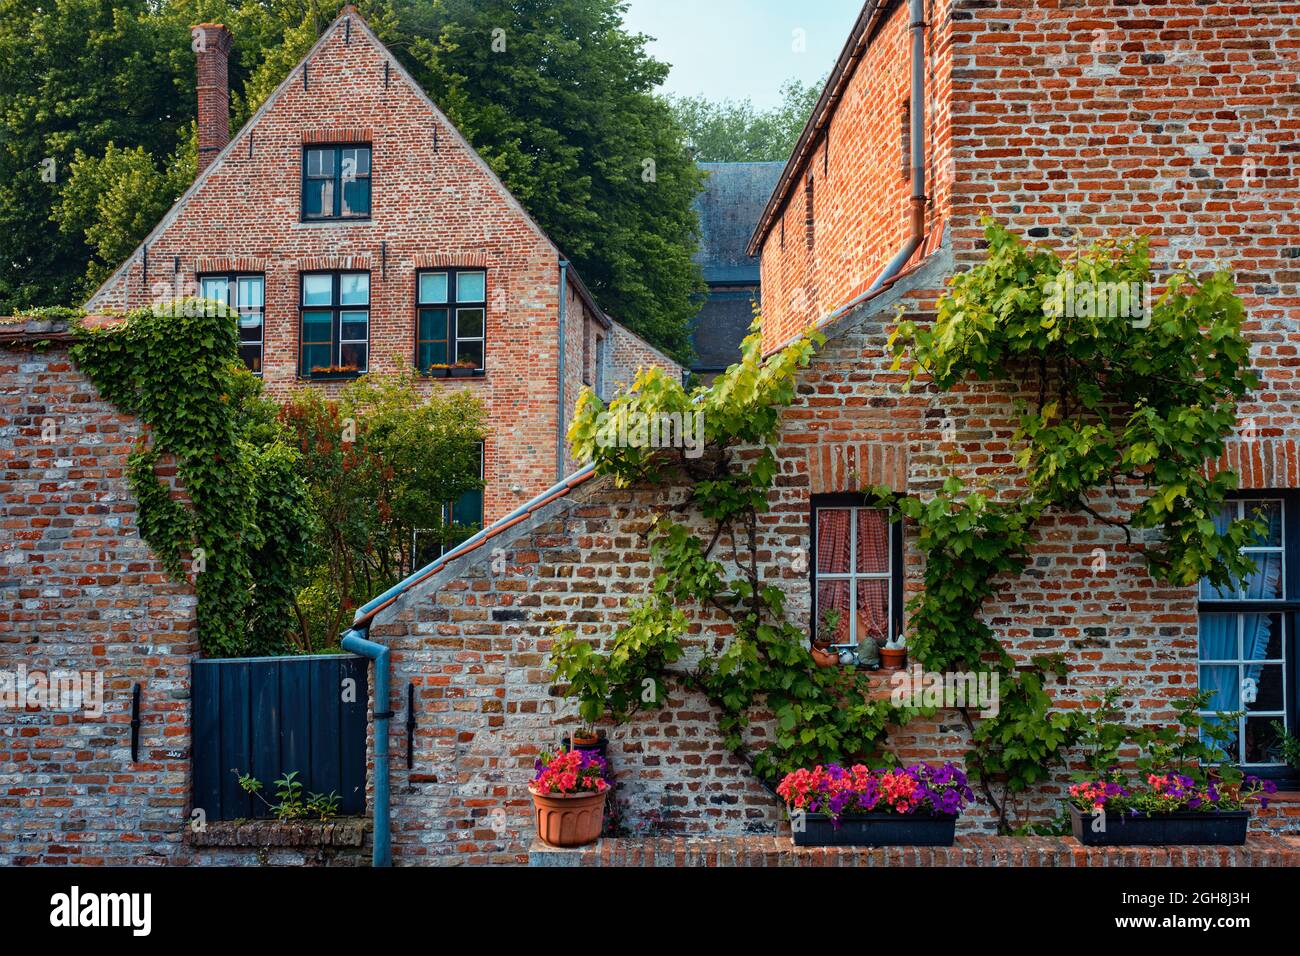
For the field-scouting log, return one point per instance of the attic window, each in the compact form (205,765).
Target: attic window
(335,182)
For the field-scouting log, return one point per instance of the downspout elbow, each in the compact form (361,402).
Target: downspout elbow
(355,642)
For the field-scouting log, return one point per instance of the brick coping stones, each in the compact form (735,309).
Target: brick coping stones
(971,851)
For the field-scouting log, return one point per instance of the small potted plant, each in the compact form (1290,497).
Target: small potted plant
(569,793)
(828,628)
(438,370)
(856,806)
(894,654)
(464,368)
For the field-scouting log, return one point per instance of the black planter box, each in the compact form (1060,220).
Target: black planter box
(876,829)
(1185,828)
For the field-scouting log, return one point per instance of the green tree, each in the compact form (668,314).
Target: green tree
(77,75)
(381,463)
(565,113)
(733,131)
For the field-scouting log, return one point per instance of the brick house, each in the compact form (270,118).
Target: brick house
(357,230)
(1067,121)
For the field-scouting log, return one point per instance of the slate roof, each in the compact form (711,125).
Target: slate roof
(733,199)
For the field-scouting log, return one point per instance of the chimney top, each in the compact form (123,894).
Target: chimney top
(211,45)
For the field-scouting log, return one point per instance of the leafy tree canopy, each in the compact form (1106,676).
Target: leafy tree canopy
(733,131)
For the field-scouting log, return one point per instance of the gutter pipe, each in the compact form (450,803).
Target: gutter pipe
(918,200)
(559,411)
(355,642)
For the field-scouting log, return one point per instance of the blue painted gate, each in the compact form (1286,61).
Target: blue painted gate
(272,715)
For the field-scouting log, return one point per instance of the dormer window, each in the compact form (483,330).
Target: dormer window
(335,182)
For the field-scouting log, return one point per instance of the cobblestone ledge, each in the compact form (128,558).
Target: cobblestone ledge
(762,851)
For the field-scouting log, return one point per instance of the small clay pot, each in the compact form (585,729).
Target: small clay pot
(893,657)
(568,820)
(825,658)
(585,740)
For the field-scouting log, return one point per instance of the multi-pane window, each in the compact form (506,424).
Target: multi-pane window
(856,570)
(336,182)
(1247,649)
(245,294)
(465,512)
(451,317)
(335,337)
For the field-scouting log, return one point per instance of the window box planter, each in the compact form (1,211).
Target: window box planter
(458,371)
(1184,828)
(438,371)
(876,829)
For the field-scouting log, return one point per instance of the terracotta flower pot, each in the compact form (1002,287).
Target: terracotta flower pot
(893,656)
(825,657)
(569,820)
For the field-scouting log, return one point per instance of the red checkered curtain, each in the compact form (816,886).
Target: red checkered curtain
(833,556)
(872,558)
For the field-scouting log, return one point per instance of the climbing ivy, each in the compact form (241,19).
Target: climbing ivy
(764,665)
(176,368)
(1130,403)
(1129,407)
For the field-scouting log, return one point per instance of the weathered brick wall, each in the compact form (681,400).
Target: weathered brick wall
(475,638)
(435,205)
(80,591)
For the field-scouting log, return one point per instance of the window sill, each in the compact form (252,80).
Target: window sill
(350,221)
(335,377)
(453,373)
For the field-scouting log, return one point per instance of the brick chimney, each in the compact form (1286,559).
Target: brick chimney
(211,45)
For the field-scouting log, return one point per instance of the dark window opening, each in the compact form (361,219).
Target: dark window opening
(336,182)
(334,325)
(451,320)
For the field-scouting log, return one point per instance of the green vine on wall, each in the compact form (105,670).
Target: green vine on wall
(239,527)
(1128,409)
(764,665)
(1131,401)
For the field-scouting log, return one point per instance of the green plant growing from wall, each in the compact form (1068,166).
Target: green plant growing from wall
(764,665)
(240,532)
(1128,409)
(1130,404)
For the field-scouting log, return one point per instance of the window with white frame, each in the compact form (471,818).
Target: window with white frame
(247,295)
(1246,636)
(856,571)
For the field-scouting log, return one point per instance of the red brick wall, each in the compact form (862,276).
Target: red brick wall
(860,210)
(80,591)
(431,207)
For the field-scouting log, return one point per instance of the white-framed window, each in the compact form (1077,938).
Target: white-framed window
(856,571)
(1246,640)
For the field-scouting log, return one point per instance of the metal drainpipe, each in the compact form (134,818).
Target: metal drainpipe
(918,199)
(559,428)
(356,642)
